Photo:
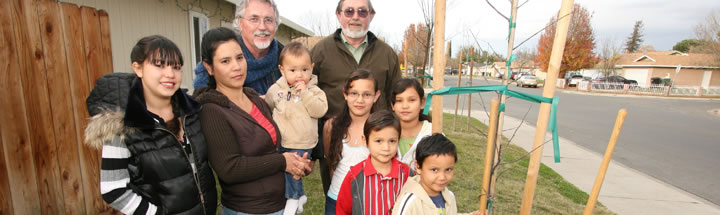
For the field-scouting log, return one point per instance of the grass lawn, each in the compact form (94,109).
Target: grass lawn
(553,195)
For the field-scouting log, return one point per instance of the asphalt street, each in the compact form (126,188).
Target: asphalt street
(676,141)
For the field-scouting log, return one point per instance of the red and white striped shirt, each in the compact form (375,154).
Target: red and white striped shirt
(366,191)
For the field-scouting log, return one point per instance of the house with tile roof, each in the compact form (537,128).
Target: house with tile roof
(685,69)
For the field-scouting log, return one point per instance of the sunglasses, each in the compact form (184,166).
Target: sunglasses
(362,13)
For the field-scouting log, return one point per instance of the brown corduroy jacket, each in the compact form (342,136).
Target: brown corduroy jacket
(334,63)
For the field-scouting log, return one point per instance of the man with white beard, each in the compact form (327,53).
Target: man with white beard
(257,21)
(349,48)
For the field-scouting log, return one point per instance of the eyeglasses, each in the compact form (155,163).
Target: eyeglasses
(362,12)
(256,20)
(355,95)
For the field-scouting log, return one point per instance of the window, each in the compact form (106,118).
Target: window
(198,27)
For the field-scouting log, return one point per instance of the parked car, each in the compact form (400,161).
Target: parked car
(573,78)
(613,79)
(521,75)
(512,75)
(613,82)
(451,71)
(527,80)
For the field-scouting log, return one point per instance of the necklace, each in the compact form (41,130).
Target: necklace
(355,139)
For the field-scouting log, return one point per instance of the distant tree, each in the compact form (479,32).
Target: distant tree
(709,33)
(609,55)
(321,23)
(634,41)
(479,55)
(579,45)
(417,45)
(525,59)
(686,45)
(647,48)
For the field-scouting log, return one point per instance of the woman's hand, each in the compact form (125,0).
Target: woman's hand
(296,165)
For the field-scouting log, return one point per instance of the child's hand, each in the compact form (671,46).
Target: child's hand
(299,86)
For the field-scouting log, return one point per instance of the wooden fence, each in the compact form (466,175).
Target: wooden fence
(52,53)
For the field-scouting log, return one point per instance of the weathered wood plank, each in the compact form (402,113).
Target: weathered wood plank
(80,89)
(64,125)
(5,203)
(93,43)
(37,105)
(106,42)
(16,137)
(93,56)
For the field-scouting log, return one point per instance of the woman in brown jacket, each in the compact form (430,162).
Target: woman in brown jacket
(242,137)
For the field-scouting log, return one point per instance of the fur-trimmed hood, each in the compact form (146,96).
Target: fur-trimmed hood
(106,105)
(117,107)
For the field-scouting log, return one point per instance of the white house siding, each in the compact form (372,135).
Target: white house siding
(640,75)
(131,20)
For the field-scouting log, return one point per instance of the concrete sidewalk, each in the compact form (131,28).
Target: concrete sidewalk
(624,191)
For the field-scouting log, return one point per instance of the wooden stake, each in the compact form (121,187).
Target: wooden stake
(472,54)
(438,65)
(489,150)
(544,114)
(503,97)
(457,97)
(590,206)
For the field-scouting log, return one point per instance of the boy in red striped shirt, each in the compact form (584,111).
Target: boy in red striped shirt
(372,185)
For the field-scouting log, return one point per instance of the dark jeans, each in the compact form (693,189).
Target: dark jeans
(330,206)
(294,188)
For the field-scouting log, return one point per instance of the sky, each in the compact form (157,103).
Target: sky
(666,22)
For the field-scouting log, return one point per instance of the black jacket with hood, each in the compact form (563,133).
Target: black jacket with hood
(146,154)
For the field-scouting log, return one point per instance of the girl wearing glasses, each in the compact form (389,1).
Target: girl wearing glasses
(343,138)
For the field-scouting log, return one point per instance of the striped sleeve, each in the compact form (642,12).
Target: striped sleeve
(114,178)
(402,206)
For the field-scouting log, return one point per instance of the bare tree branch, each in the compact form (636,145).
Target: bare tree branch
(478,44)
(541,30)
(526,1)
(496,10)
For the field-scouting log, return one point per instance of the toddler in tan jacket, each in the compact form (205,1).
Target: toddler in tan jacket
(297,104)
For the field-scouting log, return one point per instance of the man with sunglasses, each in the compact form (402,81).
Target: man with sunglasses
(349,48)
(257,21)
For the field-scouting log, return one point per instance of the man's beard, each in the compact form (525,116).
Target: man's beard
(259,44)
(354,34)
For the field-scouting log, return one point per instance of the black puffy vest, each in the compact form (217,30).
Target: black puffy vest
(160,169)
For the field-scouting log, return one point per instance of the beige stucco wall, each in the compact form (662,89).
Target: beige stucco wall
(689,77)
(661,72)
(131,20)
(686,77)
(715,79)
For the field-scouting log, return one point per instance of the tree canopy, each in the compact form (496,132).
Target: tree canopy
(634,41)
(579,45)
(686,45)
